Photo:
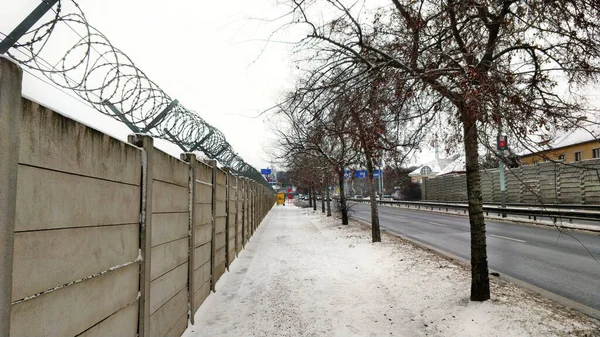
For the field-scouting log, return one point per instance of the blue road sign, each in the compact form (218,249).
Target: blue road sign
(361,174)
(265,171)
(346,174)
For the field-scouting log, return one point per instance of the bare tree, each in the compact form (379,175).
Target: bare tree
(472,65)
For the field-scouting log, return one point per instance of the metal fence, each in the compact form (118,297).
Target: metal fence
(544,183)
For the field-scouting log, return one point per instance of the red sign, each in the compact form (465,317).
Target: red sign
(290,190)
(290,196)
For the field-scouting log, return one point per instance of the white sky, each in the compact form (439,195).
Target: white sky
(209,55)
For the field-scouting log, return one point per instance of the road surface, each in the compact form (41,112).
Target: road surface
(537,255)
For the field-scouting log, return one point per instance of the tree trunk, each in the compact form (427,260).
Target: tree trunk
(343,205)
(376,233)
(328,202)
(480,283)
(323,201)
(310,196)
(314,196)
(374,216)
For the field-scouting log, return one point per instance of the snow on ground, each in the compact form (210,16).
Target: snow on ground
(303,274)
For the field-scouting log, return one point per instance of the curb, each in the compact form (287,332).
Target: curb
(466,263)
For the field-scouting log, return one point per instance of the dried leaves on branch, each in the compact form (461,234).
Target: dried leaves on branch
(449,72)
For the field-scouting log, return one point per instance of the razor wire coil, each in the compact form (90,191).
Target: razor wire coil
(106,78)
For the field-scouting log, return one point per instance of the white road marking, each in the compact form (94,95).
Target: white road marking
(504,237)
(436,224)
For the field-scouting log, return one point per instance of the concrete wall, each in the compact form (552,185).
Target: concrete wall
(220,223)
(543,183)
(203,233)
(75,267)
(169,252)
(109,238)
(231,217)
(239,216)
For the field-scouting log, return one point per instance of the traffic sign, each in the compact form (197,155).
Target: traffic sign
(360,174)
(265,171)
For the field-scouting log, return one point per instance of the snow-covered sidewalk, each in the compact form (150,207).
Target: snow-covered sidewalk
(303,274)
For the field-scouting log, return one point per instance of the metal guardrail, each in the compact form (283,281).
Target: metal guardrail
(587,212)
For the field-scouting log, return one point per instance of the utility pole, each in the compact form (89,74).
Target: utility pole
(381,178)
(501,146)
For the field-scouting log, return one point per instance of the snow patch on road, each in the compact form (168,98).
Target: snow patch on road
(303,274)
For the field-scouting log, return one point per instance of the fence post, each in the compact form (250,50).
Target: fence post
(213,164)
(247,208)
(10,122)
(227,196)
(260,204)
(250,210)
(244,212)
(254,210)
(237,216)
(147,144)
(190,158)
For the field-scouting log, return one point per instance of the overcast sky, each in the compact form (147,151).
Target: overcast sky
(210,55)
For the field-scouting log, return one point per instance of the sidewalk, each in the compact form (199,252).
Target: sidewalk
(303,274)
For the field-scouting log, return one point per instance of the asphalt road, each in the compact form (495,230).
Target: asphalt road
(537,255)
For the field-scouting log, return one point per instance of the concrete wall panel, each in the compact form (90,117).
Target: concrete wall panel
(122,323)
(219,270)
(50,199)
(48,259)
(221,177)
(168,256)
(203,234)
(73,309)
(203,193)
(220,256)
(203,214)
(54,141)
(170,169)
(220,240)
(202,255)
(220,225)
(221,199)
(179,328)
(204,172)
(167,316)
(169,198)
(201,294)
(201,275)
(167,286)
(167,227)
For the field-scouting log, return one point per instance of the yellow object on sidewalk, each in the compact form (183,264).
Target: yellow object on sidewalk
(280,199)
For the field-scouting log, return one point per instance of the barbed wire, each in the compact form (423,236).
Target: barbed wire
(105,77)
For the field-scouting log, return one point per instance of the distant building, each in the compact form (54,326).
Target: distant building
(570,147)
(458,166)
(430,169)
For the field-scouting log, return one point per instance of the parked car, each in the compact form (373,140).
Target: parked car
(387,197)
(357,196)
